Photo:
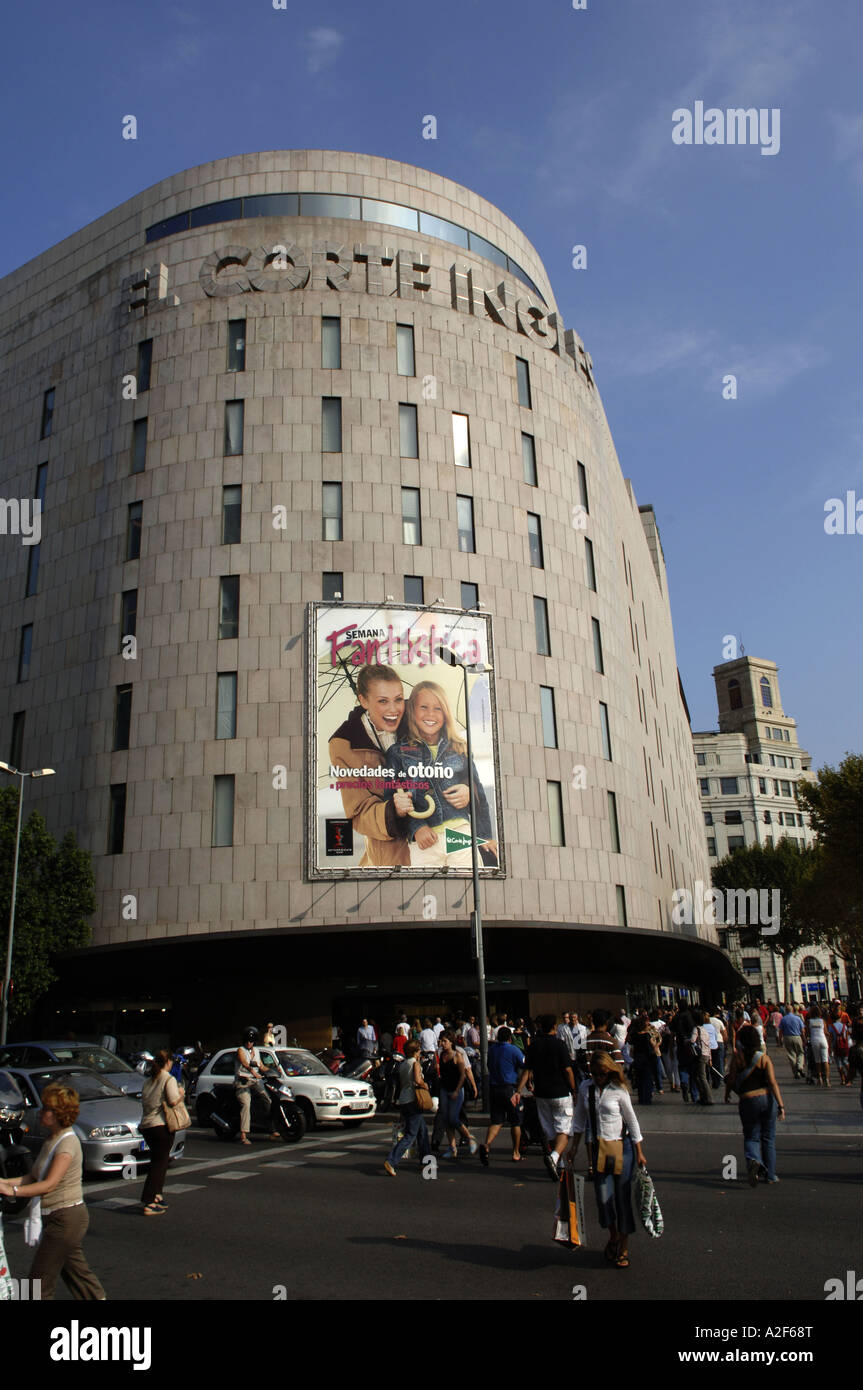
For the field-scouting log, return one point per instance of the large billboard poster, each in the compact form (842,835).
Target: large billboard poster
(388,776)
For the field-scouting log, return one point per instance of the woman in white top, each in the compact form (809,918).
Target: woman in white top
(816,1034)
(160,1089)
(607,1095)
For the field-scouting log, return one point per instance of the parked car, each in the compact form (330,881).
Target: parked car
(321,1095)
(74,1054)
(107,1124)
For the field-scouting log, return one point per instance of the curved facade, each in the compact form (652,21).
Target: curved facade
(230,271)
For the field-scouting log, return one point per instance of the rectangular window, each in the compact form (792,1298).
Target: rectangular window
(736,842)
(733,817)
(708,817)
(226,704)
(236,345)
(408,436)
(701,759)
(540,622)
(117,819)
(232,514)
(582,486)
(466,540)
(522,372)
(776,789)
(33,550)
(139,445)
(469,595)
(711,846)
(331,343)
(555,812)
(144,365)
(606,733)
(234,422)
(549,721)
(534,538)
(728,786)
(122,716)
(590,568)
(528,459)
(332,511)
(223,811)
(16,746)
(229,606)
(768,817)
(128,614)
(612,822)
(331,424)
(411,520)
(461,440)
(332,586)
(406,360)
(704,784)
(597,646)
(787,734)
(786,789)
(762,786)
(621,904)
(133,530)
(800,821)
(47,414)
(414,589)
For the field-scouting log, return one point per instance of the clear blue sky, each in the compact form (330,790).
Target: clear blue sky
(702,260)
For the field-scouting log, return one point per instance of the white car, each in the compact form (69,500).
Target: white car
(321,1095)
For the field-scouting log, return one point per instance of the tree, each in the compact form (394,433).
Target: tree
(785,868)
(835,805)
(55,897)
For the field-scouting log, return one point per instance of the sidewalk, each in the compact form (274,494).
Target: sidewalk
(809,1109)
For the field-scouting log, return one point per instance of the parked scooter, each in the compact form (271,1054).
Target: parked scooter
(281,1112)
(15,1158)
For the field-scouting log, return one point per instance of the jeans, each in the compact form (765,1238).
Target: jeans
(614,1194)
(688,1079)
(450,1110)
(414,1125)
(758,1118)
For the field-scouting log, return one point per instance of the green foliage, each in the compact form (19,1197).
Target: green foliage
(784,867)
(835,805)
(54,899)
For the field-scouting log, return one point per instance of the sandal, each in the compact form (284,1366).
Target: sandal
(244,1140)
(611,1252)
(622,1261)
(154,1209)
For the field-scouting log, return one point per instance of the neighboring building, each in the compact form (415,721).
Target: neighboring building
(376,350)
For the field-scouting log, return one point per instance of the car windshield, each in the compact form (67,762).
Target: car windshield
(302,1063)
(9,1092)
(86,1083)
(89,1056)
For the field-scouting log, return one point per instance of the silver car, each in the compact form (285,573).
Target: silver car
(74,1054)
(107,1123)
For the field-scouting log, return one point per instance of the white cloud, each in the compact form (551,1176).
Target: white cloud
(322,47)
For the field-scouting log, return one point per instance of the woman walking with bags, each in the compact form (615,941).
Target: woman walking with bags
(410,1083)
(57,1218)
(753,1081)
(605,1110)
(159,1090)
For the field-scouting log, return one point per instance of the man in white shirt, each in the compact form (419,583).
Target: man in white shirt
(428,1037)
(438,1028)
(366,1040)
(566,1035)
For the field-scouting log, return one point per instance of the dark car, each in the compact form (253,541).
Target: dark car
(74,1054)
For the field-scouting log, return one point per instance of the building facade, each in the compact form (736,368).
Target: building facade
(296,375)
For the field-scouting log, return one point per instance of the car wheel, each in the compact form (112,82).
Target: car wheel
(309,1112)
(204,1106)
(352,1124)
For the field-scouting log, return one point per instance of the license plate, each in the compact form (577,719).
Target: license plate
(359,1105)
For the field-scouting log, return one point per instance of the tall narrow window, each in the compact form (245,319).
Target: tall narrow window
(411,520)
(766,696)
(117,819)
(332,586)
(332,510)
(735,698)
(331,424)
(469,595)
(597,646)
(234,420)
(466,539)
(133,530)
(522,372)
(612,822)
(144,365)
(16,746)
(549,721)
(414,589)
(405,349)
(33,550)
(232,514)
(236,345)
(606,733)
(461,440)
(534,537)
(331,343)
(540,622)
(229,606)
(590,568)
(528,459)
(128,614)
(226,704)
(122,716)
(555,812)
(47,414)
(139,445)
(223,811)
(408,437)
(621,904)
(582,487)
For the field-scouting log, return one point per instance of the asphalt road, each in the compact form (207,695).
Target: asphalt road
(321,1220)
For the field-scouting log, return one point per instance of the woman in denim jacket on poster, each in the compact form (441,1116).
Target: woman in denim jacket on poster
(435,741)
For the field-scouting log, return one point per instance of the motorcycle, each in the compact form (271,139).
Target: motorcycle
(15,1159)
(282,1113)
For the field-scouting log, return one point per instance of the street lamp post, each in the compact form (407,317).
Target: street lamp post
(7,978)
(477,944)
